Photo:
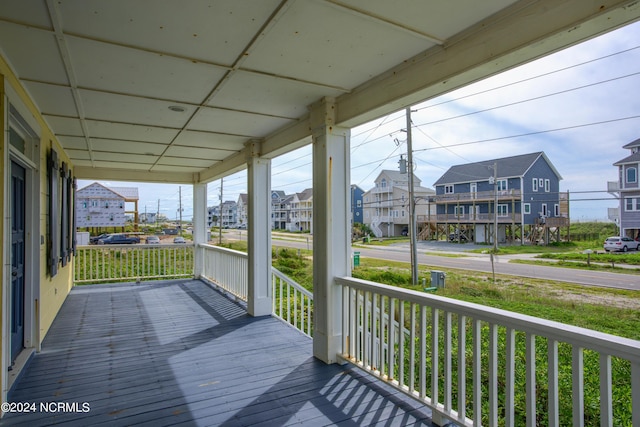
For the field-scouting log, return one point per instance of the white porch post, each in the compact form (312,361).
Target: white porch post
(259,232)
(331,235)
(199,227)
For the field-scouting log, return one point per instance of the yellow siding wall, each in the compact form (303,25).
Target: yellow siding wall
(53,291)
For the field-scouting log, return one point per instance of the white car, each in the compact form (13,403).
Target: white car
(623,244)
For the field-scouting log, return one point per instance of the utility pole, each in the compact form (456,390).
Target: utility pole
(180,207)
(412,204)
(495,207)
(158,213)
(220,214)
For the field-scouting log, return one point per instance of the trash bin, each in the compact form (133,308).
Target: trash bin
(437,278)
(356,259)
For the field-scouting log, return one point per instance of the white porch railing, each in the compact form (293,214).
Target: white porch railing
(117,263)
(292,303)
(227,269)
(412,341)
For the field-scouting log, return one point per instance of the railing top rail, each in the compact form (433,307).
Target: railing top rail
(292,282)
(610,344)
(224,250)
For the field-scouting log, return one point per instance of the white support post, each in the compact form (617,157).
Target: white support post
(200,228)
(260,298)
(331,235)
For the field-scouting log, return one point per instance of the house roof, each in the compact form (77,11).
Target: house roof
(632,144)
(129,194)
(305,194)
(508,167)
(634,158)
(397,176)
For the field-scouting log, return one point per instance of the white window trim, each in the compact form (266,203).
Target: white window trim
(534,183)
(547,185)
(449,189)
(626,175)
(503,210)
(526,208)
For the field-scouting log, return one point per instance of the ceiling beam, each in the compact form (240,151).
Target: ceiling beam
(524,32)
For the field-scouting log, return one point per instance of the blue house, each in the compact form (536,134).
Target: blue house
(356,204)
(520,194)
(627,189)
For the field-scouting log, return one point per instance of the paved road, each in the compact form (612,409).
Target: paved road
(482,262)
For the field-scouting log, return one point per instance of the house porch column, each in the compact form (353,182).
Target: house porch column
(331,234)
(260,301)
(200,228)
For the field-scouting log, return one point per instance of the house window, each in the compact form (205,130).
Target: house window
(84,204)
(629,204)
(556,210)
(383,183)
(535,184)
(402,213)
(547,185)
(458,210)
(448,189)
(502,185)
(106,205)
(94,203)
(540,183)
(503,210)
(526,208)
(632,175)
(111,217)
(359,203)
(545,212)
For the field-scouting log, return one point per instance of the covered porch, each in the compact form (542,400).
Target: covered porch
(141,92)
(181,353)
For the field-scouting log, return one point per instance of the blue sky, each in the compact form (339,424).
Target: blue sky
(579,106)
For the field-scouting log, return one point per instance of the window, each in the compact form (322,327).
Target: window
(526,208)
(545,212)
(632,175)
(534,184)
(106,205)
(502,185)
(359,203)
(448,189)
(458,210)
(503,210)
(383,183)
(84,204)
(632,204)
(540,183)
(94,203)
(402,213)
(556,210)
(547,185)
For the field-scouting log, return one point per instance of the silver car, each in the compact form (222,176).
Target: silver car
(623,244)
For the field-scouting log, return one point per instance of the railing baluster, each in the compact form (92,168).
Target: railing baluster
(606,404)
(447,362)
(462,367)
(577,379)
(391,338)
(530,394)
(412,350)
(509,404)
(477,372)
(423,351)
(493,375)
(552,377)
(435,354)
(401,342)
(635,393)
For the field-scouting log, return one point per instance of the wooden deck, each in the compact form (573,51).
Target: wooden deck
(180,353)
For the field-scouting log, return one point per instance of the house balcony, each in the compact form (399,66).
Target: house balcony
(479,196)
(186,351)
(473,218)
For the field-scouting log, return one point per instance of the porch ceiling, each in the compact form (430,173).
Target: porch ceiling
(108,75)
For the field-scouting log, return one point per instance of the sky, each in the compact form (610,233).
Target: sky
(579,106)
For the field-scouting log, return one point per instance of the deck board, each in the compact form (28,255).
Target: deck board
(180,353)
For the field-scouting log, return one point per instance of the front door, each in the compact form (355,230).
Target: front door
(17,258)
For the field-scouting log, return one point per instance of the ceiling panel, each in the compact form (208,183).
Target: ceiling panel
(65,125)
(210,140)
(134,147)
(132,132)
(133,110)
(236,122)
(33,52)
(140,72)
(215,31)
(54,99)
(181,161)
(348,49)
(196,153)
(266,94)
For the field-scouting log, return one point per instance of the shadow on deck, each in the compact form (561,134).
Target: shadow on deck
(180,353)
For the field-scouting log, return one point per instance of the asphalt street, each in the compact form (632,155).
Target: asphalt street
(428,258)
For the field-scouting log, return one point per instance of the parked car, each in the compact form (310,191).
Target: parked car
(242,227)
(623,244)
(453,237)
(119,239)
(94,240)
(179,240)
(153,240)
